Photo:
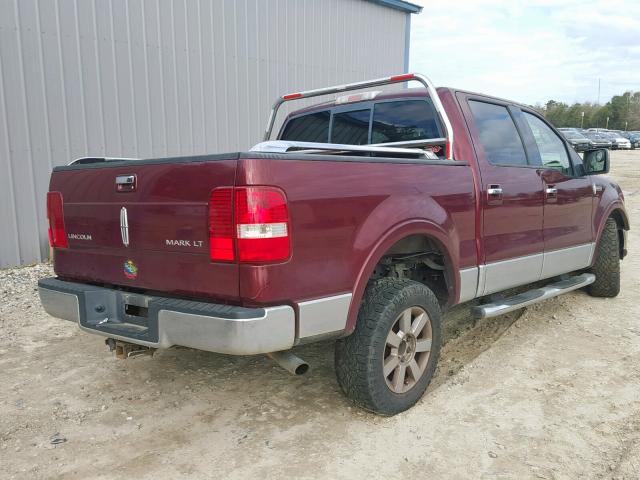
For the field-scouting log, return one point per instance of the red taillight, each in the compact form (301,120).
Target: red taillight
(262,224)
(55,214)
(221,236)
(291,96)
(252,220)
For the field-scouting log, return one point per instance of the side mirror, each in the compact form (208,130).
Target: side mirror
(596,161)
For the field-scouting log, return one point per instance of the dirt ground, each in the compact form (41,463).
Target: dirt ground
(550,392)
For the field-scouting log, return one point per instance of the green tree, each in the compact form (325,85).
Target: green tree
(622,111)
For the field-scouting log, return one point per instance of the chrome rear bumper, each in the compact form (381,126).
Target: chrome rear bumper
(160,322)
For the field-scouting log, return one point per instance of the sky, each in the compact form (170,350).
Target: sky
(529,51)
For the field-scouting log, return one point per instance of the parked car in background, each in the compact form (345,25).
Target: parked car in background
(618,142)
(633,137)
(577,140)
(598,139)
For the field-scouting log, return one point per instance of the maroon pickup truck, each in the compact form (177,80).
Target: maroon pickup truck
(365,219)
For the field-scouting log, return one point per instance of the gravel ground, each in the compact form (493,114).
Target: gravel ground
(549,392)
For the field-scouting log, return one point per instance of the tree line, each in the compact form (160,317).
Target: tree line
(623,112)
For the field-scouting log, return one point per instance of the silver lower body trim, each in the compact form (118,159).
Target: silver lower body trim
(468,284)
(557,262)
(498,276)
(322,317)
(511,273)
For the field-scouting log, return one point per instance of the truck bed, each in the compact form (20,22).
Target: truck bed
(336,205)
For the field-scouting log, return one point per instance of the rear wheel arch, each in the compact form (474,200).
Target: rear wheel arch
(398,240)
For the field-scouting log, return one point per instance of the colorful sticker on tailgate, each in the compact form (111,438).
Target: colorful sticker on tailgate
(130,269)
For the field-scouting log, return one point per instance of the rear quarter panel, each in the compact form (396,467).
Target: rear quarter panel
(342,212)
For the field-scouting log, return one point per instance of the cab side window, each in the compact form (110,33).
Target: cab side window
(308,128)
(404,121)
(499,137)
(553,153)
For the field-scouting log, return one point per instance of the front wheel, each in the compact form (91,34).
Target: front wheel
(386,364)
(607,265)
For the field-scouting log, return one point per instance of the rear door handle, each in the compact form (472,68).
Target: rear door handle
(494,195)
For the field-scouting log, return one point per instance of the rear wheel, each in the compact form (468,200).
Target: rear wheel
(386,364)
(607,265)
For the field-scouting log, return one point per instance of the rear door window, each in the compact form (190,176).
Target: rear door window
(351,128)
(313,127)
(404,121)
(499,137)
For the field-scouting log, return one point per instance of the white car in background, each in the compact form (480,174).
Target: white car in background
(619,141)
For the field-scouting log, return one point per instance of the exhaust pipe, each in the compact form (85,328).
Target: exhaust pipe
(291,363)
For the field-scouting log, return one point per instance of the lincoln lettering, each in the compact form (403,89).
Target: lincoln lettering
(184,243)
(79,236)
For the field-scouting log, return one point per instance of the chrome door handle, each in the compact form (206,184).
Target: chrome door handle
(552,191)
(494,194)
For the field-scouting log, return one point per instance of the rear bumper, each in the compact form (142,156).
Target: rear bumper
(160,322)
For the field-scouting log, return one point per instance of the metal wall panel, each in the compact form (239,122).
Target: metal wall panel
(152,78)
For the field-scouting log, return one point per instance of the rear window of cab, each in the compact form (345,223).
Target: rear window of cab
(361,124)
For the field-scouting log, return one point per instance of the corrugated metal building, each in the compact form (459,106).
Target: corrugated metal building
(150,78)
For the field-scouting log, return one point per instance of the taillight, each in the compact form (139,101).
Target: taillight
(221,225)
(262,224)
(55,214)
(254,221)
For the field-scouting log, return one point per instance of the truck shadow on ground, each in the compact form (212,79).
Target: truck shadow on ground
(263,385)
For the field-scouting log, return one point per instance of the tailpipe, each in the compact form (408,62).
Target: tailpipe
(291,363)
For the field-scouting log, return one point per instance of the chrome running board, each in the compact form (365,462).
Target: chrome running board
(533,296)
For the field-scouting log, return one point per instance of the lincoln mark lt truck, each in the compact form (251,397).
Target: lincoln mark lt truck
(362,221)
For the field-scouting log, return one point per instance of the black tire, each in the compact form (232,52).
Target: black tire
(359,357)
(607,265)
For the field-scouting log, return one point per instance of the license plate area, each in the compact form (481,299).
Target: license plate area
(120,313)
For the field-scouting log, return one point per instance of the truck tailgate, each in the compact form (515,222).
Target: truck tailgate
(151,236)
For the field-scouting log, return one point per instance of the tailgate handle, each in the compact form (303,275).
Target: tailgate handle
(125,183)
